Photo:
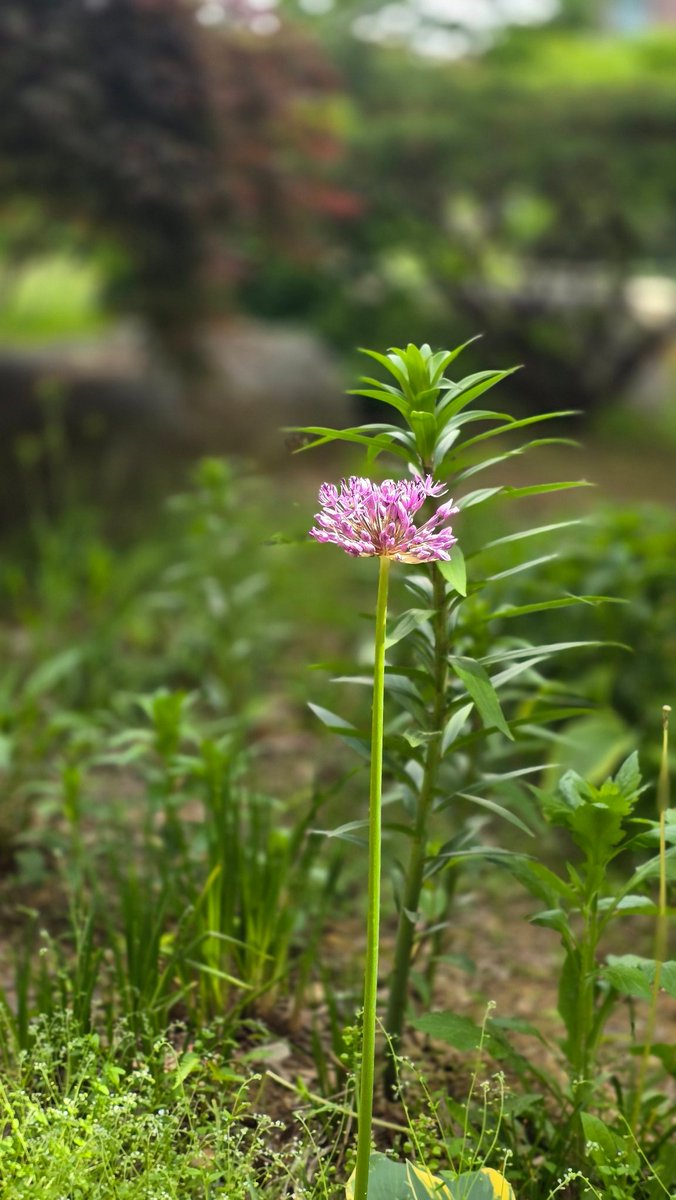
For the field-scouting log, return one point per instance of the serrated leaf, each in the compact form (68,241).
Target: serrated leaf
(480,688)
(635,976)
(540,881)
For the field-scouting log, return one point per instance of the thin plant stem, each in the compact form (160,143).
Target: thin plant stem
(410,901)
(365,1110)
(661,921)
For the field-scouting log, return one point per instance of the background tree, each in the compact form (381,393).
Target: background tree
(180,148)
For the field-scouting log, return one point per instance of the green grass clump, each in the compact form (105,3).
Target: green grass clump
(169,1126)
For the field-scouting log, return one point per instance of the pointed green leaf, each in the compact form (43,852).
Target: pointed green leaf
(332,720)
(454,726)
(410,620)
(454,571)
(480,688)
(520,610)
(462,472)
(527,533)
(510,425)
(543,489)
(467,390)
(498,809)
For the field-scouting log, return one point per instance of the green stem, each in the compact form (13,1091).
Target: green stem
(661,923)
(365,1110)
(410,901)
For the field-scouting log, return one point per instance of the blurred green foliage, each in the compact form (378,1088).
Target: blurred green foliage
(515,193)
(371,192)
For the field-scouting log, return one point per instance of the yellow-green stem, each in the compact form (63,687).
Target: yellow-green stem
(365,1110)
(661,919)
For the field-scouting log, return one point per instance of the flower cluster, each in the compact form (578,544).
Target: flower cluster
(366,519)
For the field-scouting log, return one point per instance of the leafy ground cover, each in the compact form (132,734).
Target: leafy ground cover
(181,965)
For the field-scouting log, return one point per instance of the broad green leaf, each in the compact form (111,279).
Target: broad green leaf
(484,1184)
(628,904)
(390,1180)
(607,1148)
(635,976)
(454,571)
(460,1032)
(553,918)
(480,688)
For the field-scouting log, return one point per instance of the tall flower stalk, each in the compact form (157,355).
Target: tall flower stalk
(367,1078)
(371,520)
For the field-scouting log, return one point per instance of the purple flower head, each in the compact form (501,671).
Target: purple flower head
(366,519)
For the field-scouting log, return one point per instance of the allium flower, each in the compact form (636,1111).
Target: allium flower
(366,519)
